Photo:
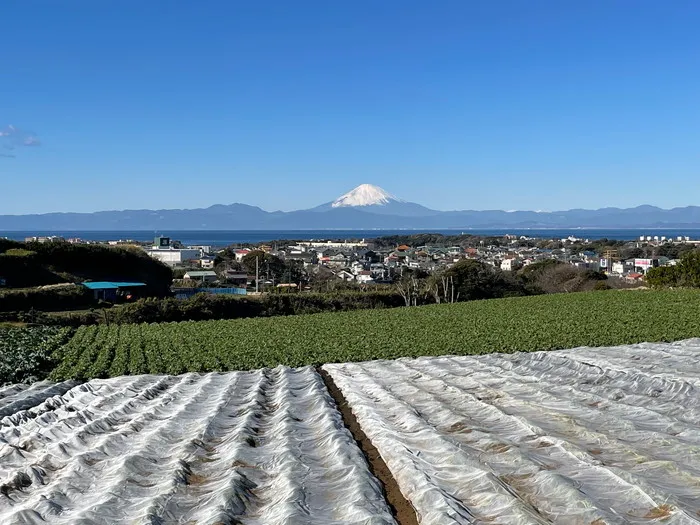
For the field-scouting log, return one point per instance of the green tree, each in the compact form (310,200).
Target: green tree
(294,272)
(269,266)
(661,277)
(689,269)
(477,280)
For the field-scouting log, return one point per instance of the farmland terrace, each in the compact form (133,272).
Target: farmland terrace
(604,435)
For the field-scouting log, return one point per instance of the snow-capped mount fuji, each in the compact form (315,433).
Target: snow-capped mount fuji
(365,195)
(373,199)
(364,208)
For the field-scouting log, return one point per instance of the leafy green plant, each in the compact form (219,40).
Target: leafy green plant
(525,324)
(27,354)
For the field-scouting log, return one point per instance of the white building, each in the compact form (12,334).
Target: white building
(509,265)
(378,270)
(345,275)
(643,265)
(174,257)
(239,254)
(364,277)
(356,267)
(204,250)
(207,263)
(618,268)
(163,251)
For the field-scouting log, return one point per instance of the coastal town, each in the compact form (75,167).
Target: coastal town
(368,262)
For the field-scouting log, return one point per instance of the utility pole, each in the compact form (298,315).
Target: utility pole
(257,272)
(609,256)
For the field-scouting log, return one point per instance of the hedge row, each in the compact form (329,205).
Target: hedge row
(55,298)
(204,306)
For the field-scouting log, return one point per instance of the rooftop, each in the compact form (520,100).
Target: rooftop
(111,285)
(204,273)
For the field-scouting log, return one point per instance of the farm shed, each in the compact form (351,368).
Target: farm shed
(111,291)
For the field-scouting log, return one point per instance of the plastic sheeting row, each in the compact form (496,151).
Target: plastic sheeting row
(588,436)
(265,447)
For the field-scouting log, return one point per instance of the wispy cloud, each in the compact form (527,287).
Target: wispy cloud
(13,139)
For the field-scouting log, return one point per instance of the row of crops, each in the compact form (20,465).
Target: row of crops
(28,353)
(480,327)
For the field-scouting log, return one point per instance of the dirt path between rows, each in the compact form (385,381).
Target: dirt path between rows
(403,511)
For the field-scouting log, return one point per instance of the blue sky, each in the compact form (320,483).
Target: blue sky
(458,104)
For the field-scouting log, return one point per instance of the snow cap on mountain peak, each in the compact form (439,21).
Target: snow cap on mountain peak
(365,195)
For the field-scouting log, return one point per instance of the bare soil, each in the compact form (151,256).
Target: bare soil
(403,511)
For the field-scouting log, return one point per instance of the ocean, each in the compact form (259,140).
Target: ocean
(225,238)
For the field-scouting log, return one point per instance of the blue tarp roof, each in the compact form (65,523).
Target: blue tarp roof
(109,285)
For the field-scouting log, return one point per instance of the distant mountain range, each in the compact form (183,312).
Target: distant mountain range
(365,207)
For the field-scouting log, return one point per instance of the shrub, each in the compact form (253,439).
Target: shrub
(26,354)
(204,306)
(685,273)
(18,252)
(71,297)
(30,264)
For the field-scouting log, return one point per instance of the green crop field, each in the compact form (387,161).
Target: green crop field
(502,325)
(26,353)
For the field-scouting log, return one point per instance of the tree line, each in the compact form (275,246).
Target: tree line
(470,280)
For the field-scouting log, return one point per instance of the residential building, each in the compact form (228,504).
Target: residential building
(306,258)
(345,275)
(239,254)
(378,271)
(339,259)
(392,261)
(205,276)
(643,265)
(511,264)
(618,267)
(207,262)
(364,277)
(43,239)
(356,267)
(238,278)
